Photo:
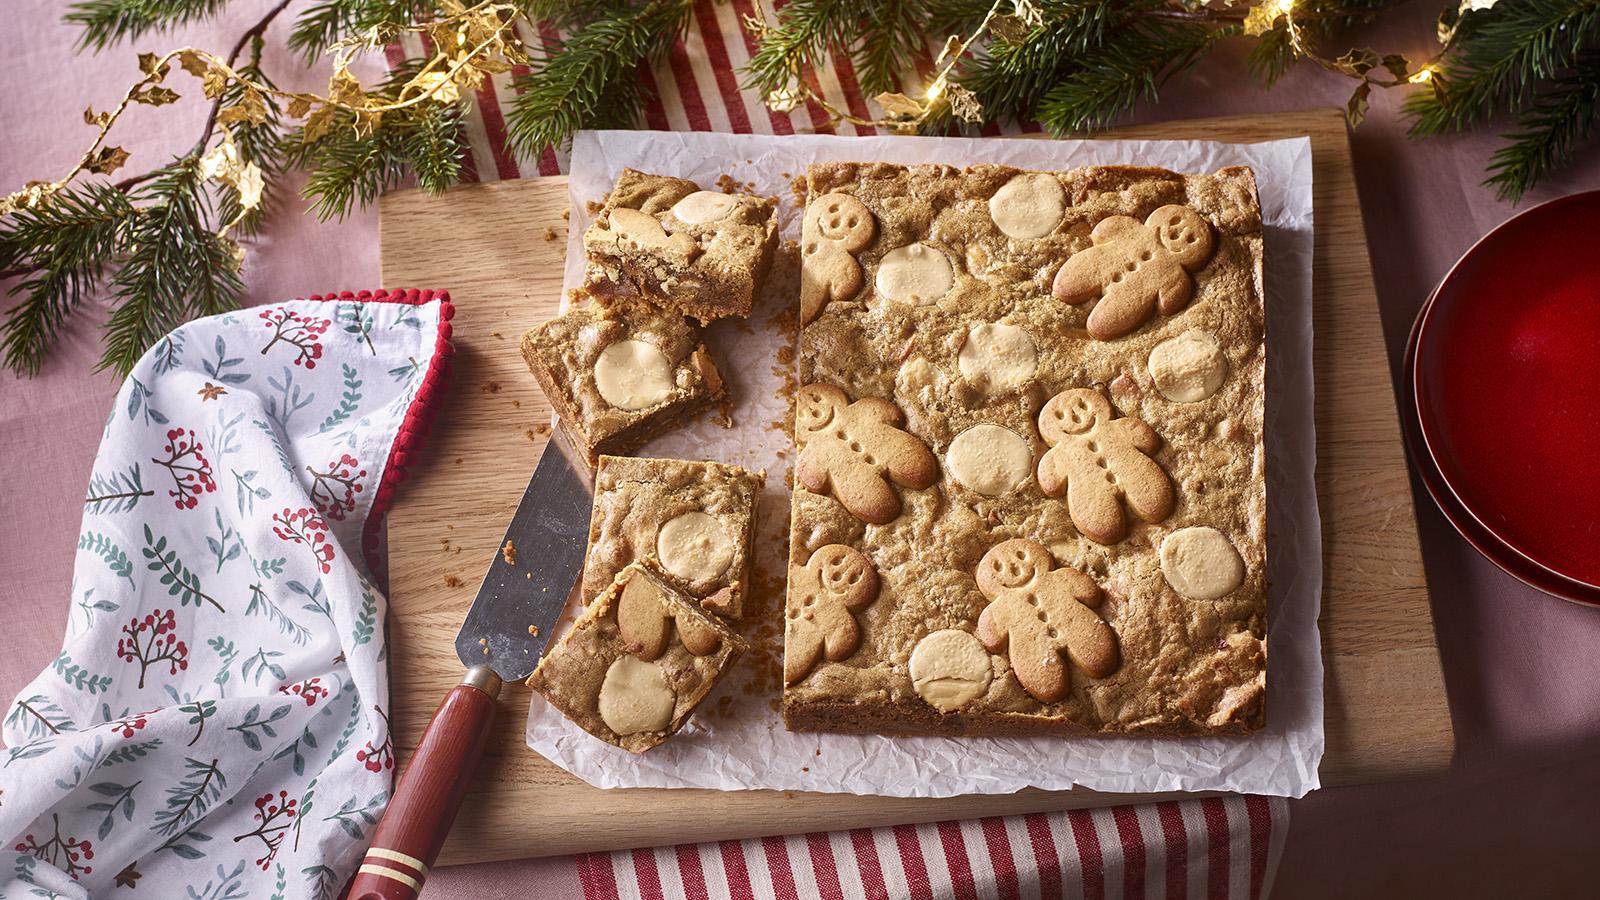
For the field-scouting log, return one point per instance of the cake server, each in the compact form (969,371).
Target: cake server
(504,636)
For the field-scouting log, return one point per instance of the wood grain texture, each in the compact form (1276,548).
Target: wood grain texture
(1386,712)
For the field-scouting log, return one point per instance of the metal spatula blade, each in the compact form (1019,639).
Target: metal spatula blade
(512,619)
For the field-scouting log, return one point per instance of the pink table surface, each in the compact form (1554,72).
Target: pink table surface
(1518,812)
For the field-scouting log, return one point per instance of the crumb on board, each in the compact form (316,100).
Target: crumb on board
(509,553)
(458,460)
(451,581)
(516,404)
(483,642)
(491,387)
(533,631)
(550,234)
(496,334)
(566,214)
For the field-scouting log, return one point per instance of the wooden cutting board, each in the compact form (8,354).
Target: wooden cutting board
(498,248)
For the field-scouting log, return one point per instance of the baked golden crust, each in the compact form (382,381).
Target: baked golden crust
(712,271)
(637,500)
(575,672)
(563,353)
(1186,665)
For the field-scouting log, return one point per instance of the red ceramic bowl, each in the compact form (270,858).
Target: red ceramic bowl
(1503,385)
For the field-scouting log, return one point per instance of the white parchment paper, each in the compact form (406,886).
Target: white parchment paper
(738,740)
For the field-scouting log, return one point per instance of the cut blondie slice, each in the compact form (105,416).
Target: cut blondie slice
(637,662)
(666,240)
(619,374)
(695,518)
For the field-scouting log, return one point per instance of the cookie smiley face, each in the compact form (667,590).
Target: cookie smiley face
(814,408)
(1182,231)
(1013,565)
(842,219)
(1072,412)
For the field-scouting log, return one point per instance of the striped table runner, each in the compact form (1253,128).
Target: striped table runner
(1220,847)
(1224,847)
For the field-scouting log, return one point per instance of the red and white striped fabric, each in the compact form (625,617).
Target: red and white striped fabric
(1222,847)
(696,88)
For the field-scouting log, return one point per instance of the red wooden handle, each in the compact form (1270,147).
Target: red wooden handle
(424,805)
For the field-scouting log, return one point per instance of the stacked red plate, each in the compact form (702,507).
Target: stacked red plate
(1502,396)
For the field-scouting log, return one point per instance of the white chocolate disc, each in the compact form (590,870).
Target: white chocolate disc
(915,273)
(634,697)
(694,546)
(1028,206)
(950,669)
(1201,563)
(989,459)
(633,374)
(1002,355)
(701,207)
(1188,368)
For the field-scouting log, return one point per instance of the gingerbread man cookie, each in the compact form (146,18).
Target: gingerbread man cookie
(1134,268)
(854,450)
(645,623)
(637,232)
(824,595)
(835,227)
(1035,612)
(1099,461)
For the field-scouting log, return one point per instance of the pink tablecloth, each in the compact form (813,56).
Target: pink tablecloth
(1516,815)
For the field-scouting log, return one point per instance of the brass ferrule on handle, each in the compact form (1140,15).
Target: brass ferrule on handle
(483,678)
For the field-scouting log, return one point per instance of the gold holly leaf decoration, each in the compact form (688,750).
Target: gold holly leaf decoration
(99,120)
(156,96)
(106,160)
(251,108)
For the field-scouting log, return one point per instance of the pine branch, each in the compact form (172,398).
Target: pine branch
(1512,47)
(176,267)
(1012,75)
(889,38)
(1130,68)
(805,30)
(70,240)
(106,22)
(433,146)
(1558,120)
(592,81)
(330,21)
(350,166)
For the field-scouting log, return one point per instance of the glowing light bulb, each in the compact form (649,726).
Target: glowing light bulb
(935,89)
(1422,75)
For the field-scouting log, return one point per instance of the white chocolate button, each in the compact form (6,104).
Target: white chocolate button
(1188,368)
(915,273)
(633,374)
(1002,355)
(950,669)
(694,546)
(1028,206)
(1201,563)
(989,459)
(701,207)
(634,697)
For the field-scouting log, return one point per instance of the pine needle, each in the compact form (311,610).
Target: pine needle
(105,22)
(1512,47)
(592,81)
(1558,120)
(1129,68)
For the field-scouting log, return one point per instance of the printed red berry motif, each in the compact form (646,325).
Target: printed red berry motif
(274,815)
(301,332)
(305,526)
(310,690)
(128,725)
(65,852)
(334,491)
(151,641)
(381,757)
(188,466)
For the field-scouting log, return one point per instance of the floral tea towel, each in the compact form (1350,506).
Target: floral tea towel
(215,726)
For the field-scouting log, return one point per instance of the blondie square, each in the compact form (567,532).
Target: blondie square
(619,374)
(695,518)
(1030,490)
(637,662)
(667,241)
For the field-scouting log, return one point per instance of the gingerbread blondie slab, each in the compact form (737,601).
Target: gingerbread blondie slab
(667,241)
(696,518)
(619,374)
(1030,491)
(637,662)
